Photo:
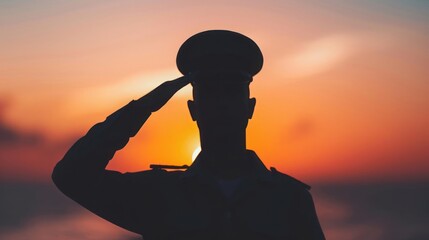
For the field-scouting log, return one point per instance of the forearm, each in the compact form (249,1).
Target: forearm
(87,158)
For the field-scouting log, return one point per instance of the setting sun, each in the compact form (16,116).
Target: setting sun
(195,153)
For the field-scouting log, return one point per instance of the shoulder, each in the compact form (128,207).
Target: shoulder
(288,180)
(156,175)
(290,186)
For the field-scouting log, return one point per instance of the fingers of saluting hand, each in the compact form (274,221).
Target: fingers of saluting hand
(180,82)
(172,86)
(155,99)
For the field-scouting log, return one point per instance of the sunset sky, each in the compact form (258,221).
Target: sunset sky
(342,96)
(342,103)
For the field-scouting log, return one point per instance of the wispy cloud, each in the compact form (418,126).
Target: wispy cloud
(325,53)
(121,92)
(319,55)
(135,85)
(10,136)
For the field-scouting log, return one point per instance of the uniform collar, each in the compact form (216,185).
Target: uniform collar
(260,172)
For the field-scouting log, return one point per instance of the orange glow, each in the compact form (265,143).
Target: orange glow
(338,98)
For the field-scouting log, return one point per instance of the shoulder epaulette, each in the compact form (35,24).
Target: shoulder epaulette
(160,167)
(290,179)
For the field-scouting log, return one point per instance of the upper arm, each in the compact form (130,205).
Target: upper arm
(309,223)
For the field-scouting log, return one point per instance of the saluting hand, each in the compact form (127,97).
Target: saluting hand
(128,120)
(158,97)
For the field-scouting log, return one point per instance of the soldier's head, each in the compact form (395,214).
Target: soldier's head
(222,65)
(221,108)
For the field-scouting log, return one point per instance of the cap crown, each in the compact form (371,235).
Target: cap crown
(219,50)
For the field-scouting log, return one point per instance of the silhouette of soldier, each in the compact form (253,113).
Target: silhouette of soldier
(227,193)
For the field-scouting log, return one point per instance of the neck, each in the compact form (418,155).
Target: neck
(226,156)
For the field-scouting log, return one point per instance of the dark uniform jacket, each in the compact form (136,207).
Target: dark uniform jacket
(189,204)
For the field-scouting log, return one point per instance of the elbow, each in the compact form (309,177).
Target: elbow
(63,181)
(69,180)
(62,178)
(56,176)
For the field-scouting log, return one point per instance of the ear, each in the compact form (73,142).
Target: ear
(192,110)
(252,103)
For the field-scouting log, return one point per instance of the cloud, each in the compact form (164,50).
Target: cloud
(143,83)
(26,154)
(12,137)
(4,103)
(319,55)
(132,87)
(106,98)
(301,129)
(325,53)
